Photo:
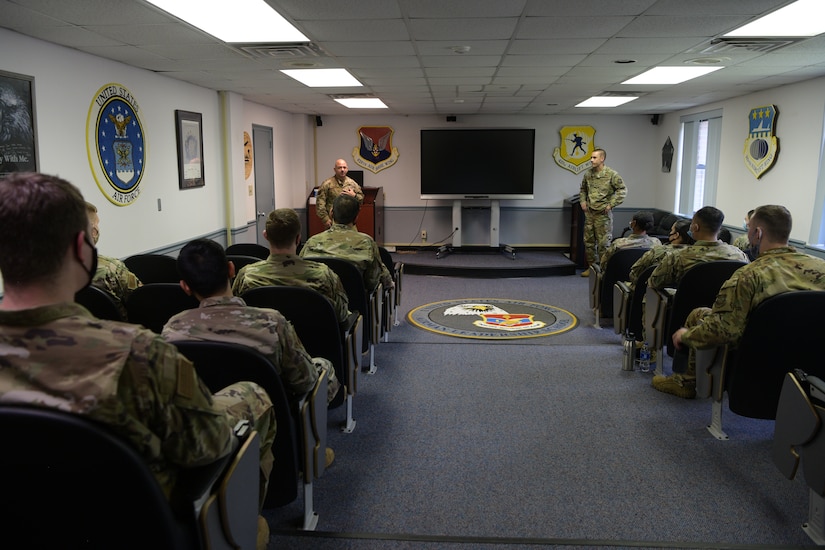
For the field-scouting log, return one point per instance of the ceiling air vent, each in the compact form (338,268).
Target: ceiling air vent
(283,52)
(756,45)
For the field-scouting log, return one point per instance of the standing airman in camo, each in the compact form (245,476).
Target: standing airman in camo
(778,268)
(602,190)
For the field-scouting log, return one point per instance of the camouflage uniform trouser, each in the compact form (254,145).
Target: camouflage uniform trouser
(694,319)
(598,234)
(249,401)
(333,385)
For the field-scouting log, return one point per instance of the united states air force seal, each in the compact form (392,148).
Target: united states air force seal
(116,143)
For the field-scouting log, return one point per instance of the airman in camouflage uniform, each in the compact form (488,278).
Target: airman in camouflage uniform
(779,268)
(707,221)
(677,239)
(602,189)
(54,353)
(332,187)
(343,240)
(285,268)
(641,223)
(112,275)
(292,270)
(222,317)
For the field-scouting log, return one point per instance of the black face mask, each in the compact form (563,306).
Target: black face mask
(91,272)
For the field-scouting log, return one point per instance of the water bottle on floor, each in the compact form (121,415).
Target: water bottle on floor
(644,358)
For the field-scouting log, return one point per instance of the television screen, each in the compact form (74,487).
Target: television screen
(477,163)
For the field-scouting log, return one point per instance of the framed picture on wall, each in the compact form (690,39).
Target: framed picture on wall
(189,131)
(18,143)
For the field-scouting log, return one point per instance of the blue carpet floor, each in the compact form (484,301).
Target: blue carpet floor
(544,442)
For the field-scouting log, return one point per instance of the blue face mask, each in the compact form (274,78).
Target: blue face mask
(690,234)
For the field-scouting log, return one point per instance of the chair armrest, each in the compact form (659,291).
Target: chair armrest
(710,366)
(621,304)
(656,307)
(595,279)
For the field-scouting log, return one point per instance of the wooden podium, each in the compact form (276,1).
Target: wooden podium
(370,219)
(577,253)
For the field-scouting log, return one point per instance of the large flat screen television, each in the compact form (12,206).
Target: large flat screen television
(477,163)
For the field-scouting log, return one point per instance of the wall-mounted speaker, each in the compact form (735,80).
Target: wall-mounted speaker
(318,121)
(654,119)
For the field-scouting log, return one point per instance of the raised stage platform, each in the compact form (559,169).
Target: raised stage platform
(486,262)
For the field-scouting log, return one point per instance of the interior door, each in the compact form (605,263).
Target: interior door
(264,178)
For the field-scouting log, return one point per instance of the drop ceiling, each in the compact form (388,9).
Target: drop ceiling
(447,57)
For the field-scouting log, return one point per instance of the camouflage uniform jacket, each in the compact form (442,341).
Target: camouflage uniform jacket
(229,319)
(329,190)
(649,258)
(602,189)
(291,270)
(741,242)
(772,272)
(114,277)
(631,241)
(122,375)
(672,267)
(344,241)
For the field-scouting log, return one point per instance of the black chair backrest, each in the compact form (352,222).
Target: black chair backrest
(100,303)
(617,269)
(67,483)
(241,260)
(386,257)
(153,268)
(353,281)
(698,288)
(636,306)
(154,304)
(314,319)
(220,364)
(249,249)
(782,334)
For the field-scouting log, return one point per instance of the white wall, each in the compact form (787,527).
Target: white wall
(66,81)
(792,179)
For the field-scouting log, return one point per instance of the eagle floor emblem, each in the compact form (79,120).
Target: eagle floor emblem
(761,146)
(492,319)
(375,152)
(575,148)
(115,143)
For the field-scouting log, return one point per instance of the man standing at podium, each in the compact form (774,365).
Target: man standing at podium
(602,190)
(334,186)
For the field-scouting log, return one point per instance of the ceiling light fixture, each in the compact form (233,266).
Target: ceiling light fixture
(323,78)
(236,21)
(360,102)
(606,101)
(670,75)
(801,18)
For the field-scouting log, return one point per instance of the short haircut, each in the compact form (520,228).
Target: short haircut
(644,220)
(710,218)
(203,265)
(345,209)
(775,220)
(91,208)
(282,226)
(40,216)
(682,228)
(602,151)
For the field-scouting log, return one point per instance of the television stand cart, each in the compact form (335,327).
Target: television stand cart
(495,214)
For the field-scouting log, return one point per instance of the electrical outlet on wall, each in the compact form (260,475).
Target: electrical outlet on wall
(423,235)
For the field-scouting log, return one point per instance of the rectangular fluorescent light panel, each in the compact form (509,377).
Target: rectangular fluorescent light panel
(606,101)
(802,18)
(252,21)
(323,78)
(670,75)
(361,102)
